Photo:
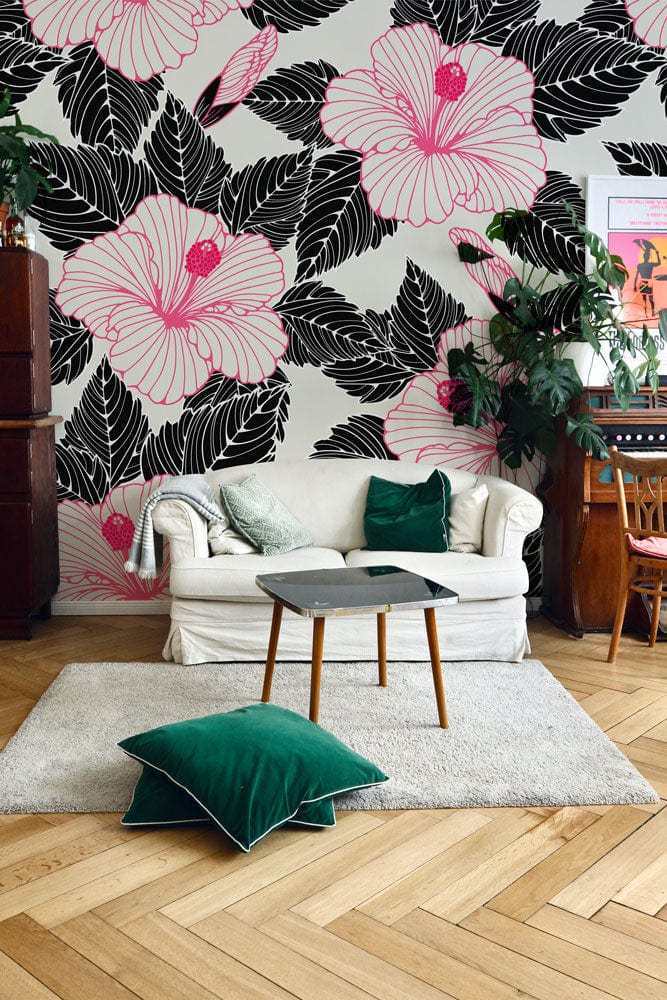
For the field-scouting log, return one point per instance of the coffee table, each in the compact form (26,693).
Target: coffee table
(323,593)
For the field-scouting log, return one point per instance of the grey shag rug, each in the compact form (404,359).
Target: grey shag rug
(515,738)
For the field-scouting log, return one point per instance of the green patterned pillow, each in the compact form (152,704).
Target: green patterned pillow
(262,518)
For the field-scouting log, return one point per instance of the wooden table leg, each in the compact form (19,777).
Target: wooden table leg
(382,648)
(316,670)
(434,650)
(273,649)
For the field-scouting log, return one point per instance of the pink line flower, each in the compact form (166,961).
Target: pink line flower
(240,74)
(94,545)
(438,127)
(137,37)
(421,429)
(650,21)
(177,298)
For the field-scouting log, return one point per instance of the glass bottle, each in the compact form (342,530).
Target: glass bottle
(15,229)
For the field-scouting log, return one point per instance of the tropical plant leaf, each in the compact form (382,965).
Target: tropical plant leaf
(581,76)
(639,159)
(185,160)
(101,105)
(362,436)
(80,474)
(93,191)
(454,20)
(291,99)
(267,197)
(337,221)
(586,434)
(292,16)
(557,383)
(109,424)
(322,325)
(498,19)
(546,236)
(24,64)
(230,424)
(420,314)
(71,345)
(610,17)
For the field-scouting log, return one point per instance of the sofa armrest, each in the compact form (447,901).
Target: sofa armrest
(511,514)
(185,528)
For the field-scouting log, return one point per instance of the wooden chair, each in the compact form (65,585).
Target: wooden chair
(644,545)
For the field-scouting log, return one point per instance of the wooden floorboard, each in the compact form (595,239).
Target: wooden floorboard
(474,904)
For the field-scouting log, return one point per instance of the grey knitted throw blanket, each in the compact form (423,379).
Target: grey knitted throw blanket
(145,556)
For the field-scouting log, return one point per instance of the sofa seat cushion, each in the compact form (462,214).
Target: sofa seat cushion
(471,576)
(232,578)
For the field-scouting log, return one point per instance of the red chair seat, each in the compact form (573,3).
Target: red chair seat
(656,548)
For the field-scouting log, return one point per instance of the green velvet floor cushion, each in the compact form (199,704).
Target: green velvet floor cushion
(157,801)
(252,769)
(262,518)
(408,518)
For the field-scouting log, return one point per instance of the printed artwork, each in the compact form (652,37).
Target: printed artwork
(254,216)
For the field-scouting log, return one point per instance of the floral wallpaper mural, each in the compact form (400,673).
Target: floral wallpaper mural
(251,236)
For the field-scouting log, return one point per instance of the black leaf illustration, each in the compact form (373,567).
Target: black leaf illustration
(80,474)
(609,17)
(420,314)
(454,20)
(239,424)
(93,191)
(186,161)
(372,379)
(103,106)
(497,19)
(546,237)
(206,111)
(563,307)
(582,77)
(24,64)
(291,16)
(362,436)
(267,197)
(13,19)
(337,222)
(291,100)
(639,159)
(322,325)
(71,345)
(109,424)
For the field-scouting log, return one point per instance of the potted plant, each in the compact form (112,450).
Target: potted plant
(20,178)
(531,382)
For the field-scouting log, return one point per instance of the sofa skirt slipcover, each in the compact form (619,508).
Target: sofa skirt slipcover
(204,631)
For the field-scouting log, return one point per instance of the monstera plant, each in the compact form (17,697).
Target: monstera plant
(527,383)
(20,179)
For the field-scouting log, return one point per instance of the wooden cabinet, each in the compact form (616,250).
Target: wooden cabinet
(581,540)
(28,504)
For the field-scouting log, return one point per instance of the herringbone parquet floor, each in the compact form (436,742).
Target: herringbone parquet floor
(554,904)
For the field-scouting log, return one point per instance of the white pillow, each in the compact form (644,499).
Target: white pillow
(466,519)
(225,541)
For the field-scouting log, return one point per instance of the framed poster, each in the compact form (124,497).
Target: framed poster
(630,214)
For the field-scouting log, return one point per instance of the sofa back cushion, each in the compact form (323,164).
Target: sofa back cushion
(328,496)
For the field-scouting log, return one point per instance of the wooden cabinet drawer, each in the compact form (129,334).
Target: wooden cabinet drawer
(17,578)
(14,463)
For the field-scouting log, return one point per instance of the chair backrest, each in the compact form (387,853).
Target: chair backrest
(648,491)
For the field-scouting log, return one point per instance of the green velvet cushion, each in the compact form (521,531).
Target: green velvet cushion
(252,769)
(157,801)
(408,518)
(262,518)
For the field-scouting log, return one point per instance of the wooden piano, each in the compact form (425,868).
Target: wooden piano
(581,556)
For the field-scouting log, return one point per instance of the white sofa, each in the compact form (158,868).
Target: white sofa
(219,614)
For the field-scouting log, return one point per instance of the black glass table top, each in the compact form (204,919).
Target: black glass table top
(353,589)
